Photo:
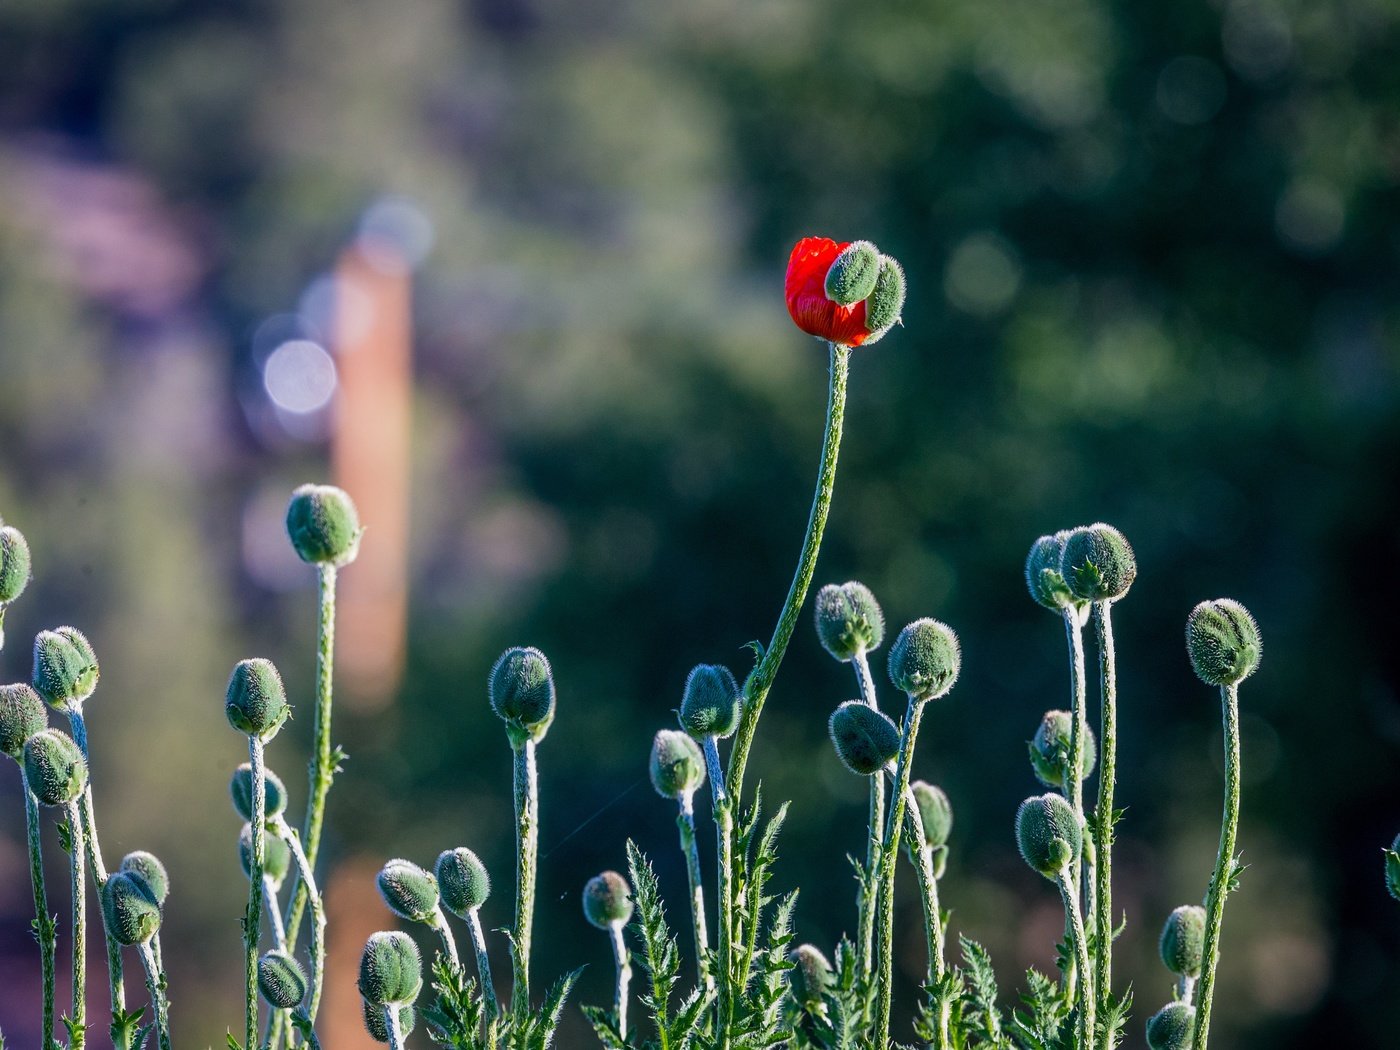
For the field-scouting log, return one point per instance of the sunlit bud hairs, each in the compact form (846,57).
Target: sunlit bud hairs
(710,704)
(374,1020)
(866,740)
(607,900)
(391,970)
(55,768)
(1223,642)
(677,764)
(277,855)
(1047,834)
(522,692)
(849,621)
(1050,750)
(1171,1027)
(810,975)
(14,564)
(241,788)
(256,702)
(1043,577)
(936,811)
(886,303)
(852,275)
(1392,868)
(323,525)
(65,667)
(1183,941)
(130,908)
(1098,564)
(925,659)
(462,881)
(148,867)
(281,980)
(22,714)
(408,890)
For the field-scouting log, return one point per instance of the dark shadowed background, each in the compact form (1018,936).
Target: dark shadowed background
(1152,255)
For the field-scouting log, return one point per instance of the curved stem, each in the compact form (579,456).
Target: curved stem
(483,968)
(288,834)
(1103,814)
(1224,861)
(391,1025)
(272,1031)
(922,855)
(252,921)
(44,924)
(155,985)
(1081,952)
(685,821)
(79,887)
(869,886)
(444,932)
(724,845)
(1079,731)
(893,827)
(758,683)
(623,960)
(527,845)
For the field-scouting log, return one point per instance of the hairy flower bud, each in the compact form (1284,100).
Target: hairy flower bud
(55,767)
(147,866)
(1223,642)
(65,667)
(375,1023)
(1098,564)
(281,980)
(1047,834)
(277,855)
(462,881)
(935,810)
(849,620)
(866,740)
(1392,868)
(256,702)
(1171,1027)
(323,525)
(522,691)
(408,890)
(852,276)
(677,764)
(391,970)
(22,714)
(240,787)
(710,704)
(1183,941)
(886,302)
(810,976)
(130,908)
(14,564)
(1050,750)
(607,900)
(1043,577)
(925,659)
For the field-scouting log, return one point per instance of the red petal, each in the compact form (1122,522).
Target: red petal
(807,303)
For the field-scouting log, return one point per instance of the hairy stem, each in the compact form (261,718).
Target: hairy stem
(155,985)
(391,1025)
(724,843)
(922,855)
(1224,862)
(527,846)
(483,967)
(893,827)
(252,921)
(865,912)
(79,887)
(1103,815)
(277,1019)
(1081,953)
(444,932)
(288,834)
(686,822)
(1074,787)
(623,960)
(44,921)
(760,680)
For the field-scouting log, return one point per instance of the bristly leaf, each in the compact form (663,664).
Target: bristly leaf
(1114,1019)
(982,982)
(1042,1025)
(126,1030)
(65,837)
(233,1044)
(1237,868)
(454,1019)
(660,956)
(604,1024)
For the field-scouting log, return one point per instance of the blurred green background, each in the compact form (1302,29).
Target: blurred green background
(1152,258)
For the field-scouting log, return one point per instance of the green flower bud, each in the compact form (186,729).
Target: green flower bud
(241,788)
(925,659)
(281,980)
(65,667)
(522,691)
(148,867)
(256,702)
(323,525)
(1098,564)
(1223,642)
(1183,942)
(374,1020)
(710,704)
(852,276)
(935,810)
(1050,750)
(1047,834)
(130,908)
(677,764)
(14,564)
(1392,868)
(55,767)
(810,976)
(1043,577)
(866,740)
(462,880)
(607,900)
(391,970)
(886,302)
(22,714)
(849,621)
(1172,1027)
(277,855)
(408,890)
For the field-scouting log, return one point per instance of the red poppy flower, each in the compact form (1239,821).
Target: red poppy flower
(807,302)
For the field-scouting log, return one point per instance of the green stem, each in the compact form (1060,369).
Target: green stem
(483,971)
(623,960)
(288,834)
(724,842)
(761,679)
(922,856)
(1074,787)
(42,918)
(686,823)
(444,932)
(273,906)
(1081,953)
(1224,861)
(391,1025)
(1103,815)
(893,826)
(869,885)
(79,887)
(527,835)
(252,921)
(155,985)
